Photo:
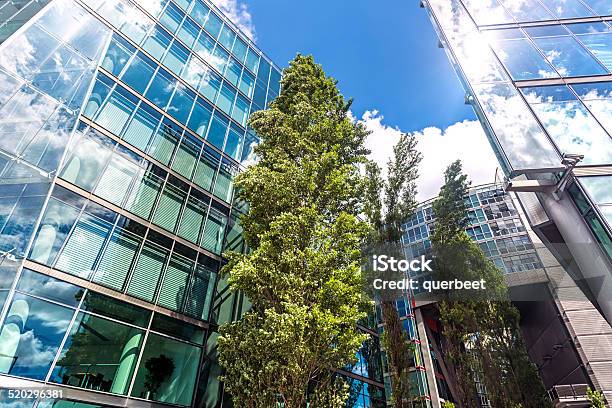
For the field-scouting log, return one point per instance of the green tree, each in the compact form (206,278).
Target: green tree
(596,398)
(303,276)
(388,203)
(481,328)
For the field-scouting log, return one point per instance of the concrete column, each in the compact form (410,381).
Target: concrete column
(427,361)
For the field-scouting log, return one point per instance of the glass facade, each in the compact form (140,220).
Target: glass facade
(539,76)
(122,126)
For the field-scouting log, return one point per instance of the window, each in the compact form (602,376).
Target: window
(518,54)
(527,10)
(161,88)
(171,18)
(32,333)
(200,117)
(157,42)
(209,87)
(147,270)
(226,98)
(233,71)
(117,259)
(224,182)
(568,8)
(139,72)
(598,189)
(569,123)
(186,156)
(213,232)
(490,12)
(169,207)
(178,361)
(205,46)
(213,24)
(217,131)
(116,111)
(598,98)
(234,141)
(144,194)
(164,142)
(247,83)
(241,110)
(206,168)
(227,37)
(199,12)
(597,37)
(174,284)
(193,218)
(181,103)
(117,55)
(252,61)
(87,159)
(117,177)
(188,32)
(240,49)
(142,125)
(563,52)
(99,354)
(176,58)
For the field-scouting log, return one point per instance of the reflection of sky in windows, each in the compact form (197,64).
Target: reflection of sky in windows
(569,123)
(599,190)
(598,98)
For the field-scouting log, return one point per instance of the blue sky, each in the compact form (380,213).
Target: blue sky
(384,55)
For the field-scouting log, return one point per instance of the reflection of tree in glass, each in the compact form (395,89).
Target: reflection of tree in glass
(354,393)
(159,369)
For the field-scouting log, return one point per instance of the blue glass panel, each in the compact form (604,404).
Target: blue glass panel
(200,117)
(568,8)
(161,88)
(139,72)
(598,98)
(209,87)
(188,32)
(241,110)
(227,37)
(176,58)
(181,103)
(247,83)
(226,98)
(217,131)
(199,12)
(233,71)
(601,46)
(598,188)
(157,42)
(601,7)
(49,288)
(205,46)
(234,141)
(36,330)
(527,10)
(213,25)
(240,49)
(118,53)
(252,61)
(488,12)
(171,18)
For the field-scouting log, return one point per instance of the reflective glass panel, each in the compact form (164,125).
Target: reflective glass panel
(527,10)
(600,45)
(568,8)
(50,288)
(598,98)
(139,72)
(161,88)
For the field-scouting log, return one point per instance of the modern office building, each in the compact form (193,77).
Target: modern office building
(122,125)
(560,346)
(538,75)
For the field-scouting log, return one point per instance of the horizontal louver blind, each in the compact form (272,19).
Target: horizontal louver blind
(169,208)
(117,260)
(79,255)
(139,132)
(223,185)
(197,297)
(116,179)
(185,160)
(114,114)
(147,272)
(174,285)
(144,195)
(204,173)
(213,232)
(162,147)
(193,218)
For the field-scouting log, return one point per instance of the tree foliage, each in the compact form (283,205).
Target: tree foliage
(388,203)
(303,275)
(481,329)
(596,398)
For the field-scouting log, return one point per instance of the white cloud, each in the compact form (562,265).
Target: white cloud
(463,140)
(239,14)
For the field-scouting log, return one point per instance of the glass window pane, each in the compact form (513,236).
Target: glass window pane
(177,328)
(569,124)
(210,86)
(144,195)
(601,46)
(141,127)
(80,252)
(233,71)
(171,17)
(165,140)
(54,228)
(147,271)
(240,49)
(169,207)
(116,309)
(565,54)
(117,55)
(213,25)
(598,188)
(31,335)
(200,117)
(247,83)
(234,141)
(214,230)
(86,160)
(99,354)
(117,179)
(174,283)
(227,37)
(601,7)
(194,72)
(186,156)
(193,219)
(199,12)
(205,46)
(49,288)
(224,182)
(217,131)
(206,169)
(252,61)
(568,8)
(226,98)
(139,72)
(172,363)
(181,103)
(527,10)
(161,88)
(240,112)
(100,91)
(176,58)
(117,259)
(188,32)
(488,12)
(521,58)
(116,111)
(598,98)
(157,43)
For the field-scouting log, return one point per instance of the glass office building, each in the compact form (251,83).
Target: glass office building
(538,74)
(122,126)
